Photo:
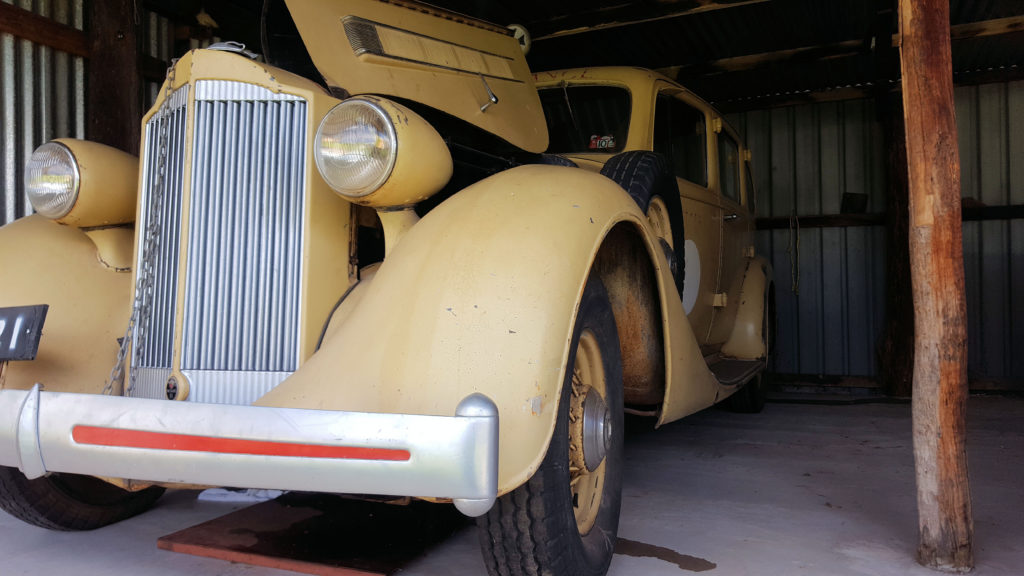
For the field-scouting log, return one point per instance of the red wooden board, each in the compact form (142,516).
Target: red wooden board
(320,534)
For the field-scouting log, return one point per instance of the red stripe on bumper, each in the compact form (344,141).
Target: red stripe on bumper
(120,438)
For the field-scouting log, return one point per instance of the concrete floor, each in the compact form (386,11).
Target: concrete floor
(799,489)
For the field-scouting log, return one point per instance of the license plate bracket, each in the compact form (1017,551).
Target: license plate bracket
(20,330)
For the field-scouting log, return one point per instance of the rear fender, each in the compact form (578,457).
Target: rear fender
(47,263)
(745,340)
(479,296)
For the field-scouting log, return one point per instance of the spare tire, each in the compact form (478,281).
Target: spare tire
(646,176)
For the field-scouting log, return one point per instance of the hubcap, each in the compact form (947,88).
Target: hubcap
(590,432)
(596,430)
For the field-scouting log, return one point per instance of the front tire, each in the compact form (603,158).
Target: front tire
(70,501)
(563,521)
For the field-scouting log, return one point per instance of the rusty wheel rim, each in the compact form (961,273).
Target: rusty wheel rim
(589,432)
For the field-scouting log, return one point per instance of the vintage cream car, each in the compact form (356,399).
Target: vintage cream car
(421,271)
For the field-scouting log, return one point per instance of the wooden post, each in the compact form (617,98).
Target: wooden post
(112,97)
(896,356)
(897,352)
(937,276)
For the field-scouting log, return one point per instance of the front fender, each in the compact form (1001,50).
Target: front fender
(47,263)
(479,296)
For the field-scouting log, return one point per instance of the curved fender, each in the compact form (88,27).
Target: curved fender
(47,263)
(746,340)
(479,296)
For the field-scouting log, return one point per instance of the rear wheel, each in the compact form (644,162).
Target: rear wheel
(563,521)
(751,398)
(70,501)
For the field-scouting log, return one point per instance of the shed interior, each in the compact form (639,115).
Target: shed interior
(812,86)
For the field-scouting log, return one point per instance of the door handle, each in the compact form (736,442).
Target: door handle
(730,217)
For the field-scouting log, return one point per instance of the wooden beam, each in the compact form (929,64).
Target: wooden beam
(896,357)
(152,68)
(628,14)
(939,405)
(833,50)
(984,213)
(750,61)
(822,221)
(112,96)
(763,101)
(996,27)
(43,31)
(968,214)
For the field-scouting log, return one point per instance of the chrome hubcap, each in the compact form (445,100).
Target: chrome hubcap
(597,430)
(589,432)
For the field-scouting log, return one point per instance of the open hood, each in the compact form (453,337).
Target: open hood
(468,68)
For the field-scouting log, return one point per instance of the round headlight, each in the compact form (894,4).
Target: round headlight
(356,147)
(52,180)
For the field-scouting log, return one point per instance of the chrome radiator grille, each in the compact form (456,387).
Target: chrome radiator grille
(240,333)
(157,346)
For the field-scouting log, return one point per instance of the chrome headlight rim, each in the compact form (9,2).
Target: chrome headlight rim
(340,185)
(38,195)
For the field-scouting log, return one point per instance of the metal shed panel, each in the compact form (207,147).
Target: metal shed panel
(990,123)
(41,98)
(805,157)
(830,282)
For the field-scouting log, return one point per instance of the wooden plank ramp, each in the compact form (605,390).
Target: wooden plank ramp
(321,534)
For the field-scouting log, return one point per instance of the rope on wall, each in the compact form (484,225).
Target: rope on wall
(794,248)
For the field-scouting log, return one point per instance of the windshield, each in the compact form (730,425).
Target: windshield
(586,118)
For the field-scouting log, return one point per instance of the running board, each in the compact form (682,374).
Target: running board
(732,372)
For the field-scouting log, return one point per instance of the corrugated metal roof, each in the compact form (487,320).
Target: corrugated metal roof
(835,40)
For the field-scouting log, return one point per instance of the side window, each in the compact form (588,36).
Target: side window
(729,166)
(680,133)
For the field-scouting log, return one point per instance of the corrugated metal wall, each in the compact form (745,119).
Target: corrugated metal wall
(42,96)
(806,157)
(990,123)
(42,92)
(830,282)
(157,39)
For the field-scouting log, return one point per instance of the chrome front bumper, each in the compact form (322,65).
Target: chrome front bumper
(256,447)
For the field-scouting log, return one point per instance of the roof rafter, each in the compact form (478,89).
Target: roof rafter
(837,49)
(628,14)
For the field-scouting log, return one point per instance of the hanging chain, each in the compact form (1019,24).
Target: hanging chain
(150,245)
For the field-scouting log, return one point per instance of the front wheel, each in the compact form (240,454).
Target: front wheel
(70,501)
(563,521)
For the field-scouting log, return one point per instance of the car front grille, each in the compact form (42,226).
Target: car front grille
(239,224)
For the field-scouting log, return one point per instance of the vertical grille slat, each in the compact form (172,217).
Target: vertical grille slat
(243,265)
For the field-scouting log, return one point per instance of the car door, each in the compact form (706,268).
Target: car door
(681,133)
(736,198)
